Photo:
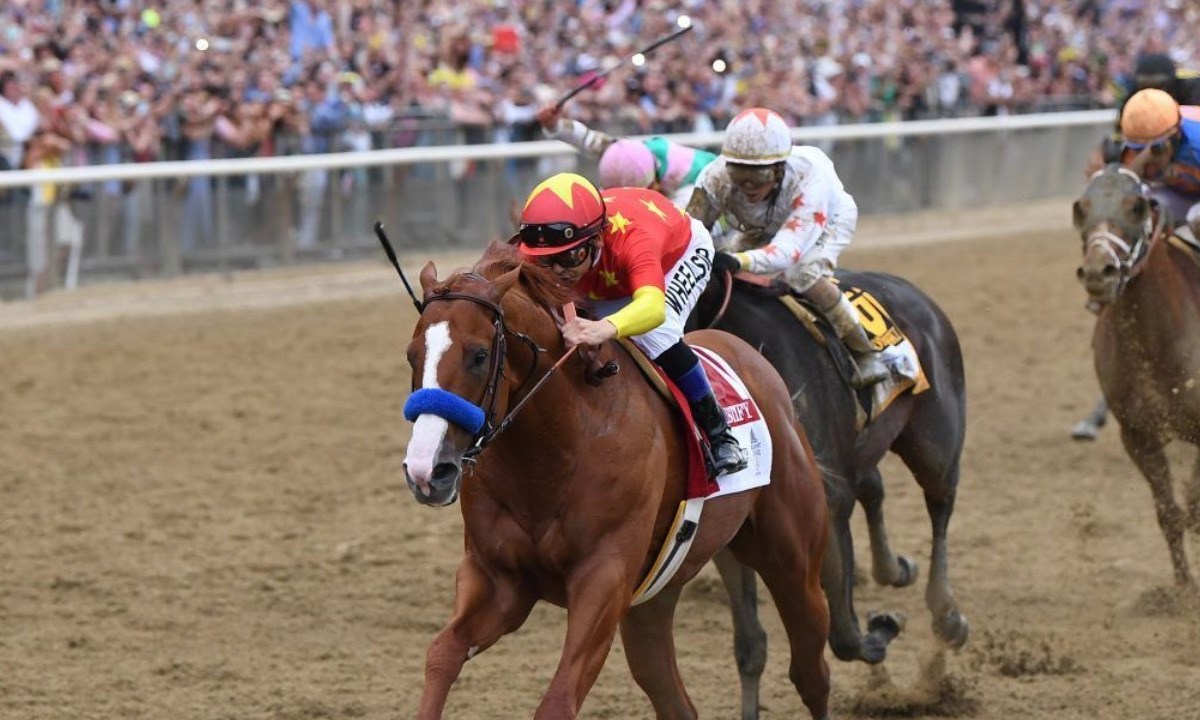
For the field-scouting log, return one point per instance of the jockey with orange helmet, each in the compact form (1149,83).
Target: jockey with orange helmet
(655,163)
(1163,138)
(642,262)
(792,216)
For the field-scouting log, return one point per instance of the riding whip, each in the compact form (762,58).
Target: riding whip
(391,254)
(638,58)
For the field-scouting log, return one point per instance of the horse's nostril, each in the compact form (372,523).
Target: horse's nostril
(1109,271)
(444,473)
(1080,273)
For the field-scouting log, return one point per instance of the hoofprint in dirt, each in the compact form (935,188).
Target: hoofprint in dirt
(204,516)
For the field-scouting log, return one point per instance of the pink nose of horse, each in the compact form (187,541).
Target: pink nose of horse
(433,486)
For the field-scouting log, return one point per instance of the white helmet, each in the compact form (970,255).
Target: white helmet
(757,136)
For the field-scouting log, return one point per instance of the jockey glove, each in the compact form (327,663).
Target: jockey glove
(724,261)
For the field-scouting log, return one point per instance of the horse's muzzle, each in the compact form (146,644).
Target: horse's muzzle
(440,488)
(1102,284)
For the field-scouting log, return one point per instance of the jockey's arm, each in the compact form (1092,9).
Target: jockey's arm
(702,208)
(646,312)
(648,309)
(590,142)
(800,233)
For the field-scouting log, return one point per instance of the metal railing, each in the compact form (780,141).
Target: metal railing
(167,218)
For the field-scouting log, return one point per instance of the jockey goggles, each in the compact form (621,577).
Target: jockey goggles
(1157,146)
(751,178)
(555,238)
(568,259)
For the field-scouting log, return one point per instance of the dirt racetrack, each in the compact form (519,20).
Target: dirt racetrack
(202,514)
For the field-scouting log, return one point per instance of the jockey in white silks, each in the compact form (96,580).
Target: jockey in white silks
(791,217)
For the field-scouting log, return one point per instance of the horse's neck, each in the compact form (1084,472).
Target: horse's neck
(1161,305)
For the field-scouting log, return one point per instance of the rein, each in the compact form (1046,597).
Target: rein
(490,428)
(727,278)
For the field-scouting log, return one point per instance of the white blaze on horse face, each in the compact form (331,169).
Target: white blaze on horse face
(429,430)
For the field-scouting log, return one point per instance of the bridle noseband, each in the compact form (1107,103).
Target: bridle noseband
(490,428)
(1128,256)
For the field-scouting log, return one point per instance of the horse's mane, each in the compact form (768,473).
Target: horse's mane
(540,284)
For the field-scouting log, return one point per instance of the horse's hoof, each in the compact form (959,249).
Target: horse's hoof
(889,624)
(909,571)
(953,629)
(1085,430)
(873,650)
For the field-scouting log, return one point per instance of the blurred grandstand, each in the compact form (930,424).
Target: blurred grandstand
(85,82)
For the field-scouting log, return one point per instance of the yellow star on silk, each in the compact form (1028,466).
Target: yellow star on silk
(618,222)
(610,278)
(654,209)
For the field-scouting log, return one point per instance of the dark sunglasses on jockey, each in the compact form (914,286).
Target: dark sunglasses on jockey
(541,239)
(568,259)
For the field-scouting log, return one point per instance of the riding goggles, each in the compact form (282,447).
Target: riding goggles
(751,179)
(1157,146)
(568,259)
(554,238)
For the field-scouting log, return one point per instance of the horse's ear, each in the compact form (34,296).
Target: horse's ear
(428,278)
(1080,211)
(506,282)
(1136,207)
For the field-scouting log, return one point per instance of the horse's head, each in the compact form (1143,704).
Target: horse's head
(458,354)
(1115,219)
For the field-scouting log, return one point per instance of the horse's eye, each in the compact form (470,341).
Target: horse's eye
(480,357)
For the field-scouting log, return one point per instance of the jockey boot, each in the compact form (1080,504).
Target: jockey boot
(869,363)
(728,457)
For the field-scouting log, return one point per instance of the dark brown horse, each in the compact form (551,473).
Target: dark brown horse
(572,501)
(1147,337)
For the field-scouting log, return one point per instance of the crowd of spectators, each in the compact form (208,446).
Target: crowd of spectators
(102,81)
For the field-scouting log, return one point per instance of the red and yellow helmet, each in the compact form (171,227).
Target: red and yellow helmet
(1149,116)
(562,212)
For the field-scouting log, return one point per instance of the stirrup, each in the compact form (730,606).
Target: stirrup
(740,463)
(868,371)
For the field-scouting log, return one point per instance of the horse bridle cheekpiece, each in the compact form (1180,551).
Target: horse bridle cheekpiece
(1131,255)
(473,417)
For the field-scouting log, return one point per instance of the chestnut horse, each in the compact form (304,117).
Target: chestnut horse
(571,499)
(1145,342)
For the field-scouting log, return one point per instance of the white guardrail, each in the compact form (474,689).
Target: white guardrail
(166,218)
(541,148)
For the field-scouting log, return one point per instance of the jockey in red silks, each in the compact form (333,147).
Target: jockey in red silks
(655,163)
(791,216)
(642,263)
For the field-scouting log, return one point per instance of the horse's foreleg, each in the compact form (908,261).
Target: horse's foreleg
(749,638)
(886,568)
(1089,427)
(485,609)
(1147,453)
(837,577)
(1192,498)
(598,594)
(650,652)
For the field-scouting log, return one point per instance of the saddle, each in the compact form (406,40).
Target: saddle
(814,321)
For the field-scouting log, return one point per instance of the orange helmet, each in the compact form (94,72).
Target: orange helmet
(562,212)
(1149,116)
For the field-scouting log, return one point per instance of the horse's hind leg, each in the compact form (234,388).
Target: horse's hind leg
(1147,453)
(749,638)
(646,634)
(792,574)
(886,568)
(1089,427)
(931,448)
(486,607)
